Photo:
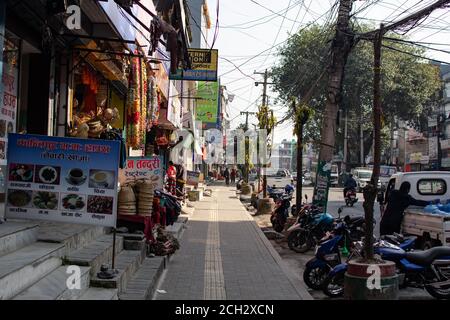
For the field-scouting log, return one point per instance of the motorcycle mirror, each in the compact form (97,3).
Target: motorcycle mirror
(306,197)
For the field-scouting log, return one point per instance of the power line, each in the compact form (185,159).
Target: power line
(415,55)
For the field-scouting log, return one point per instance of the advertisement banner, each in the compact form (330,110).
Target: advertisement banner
(62,179)
(208,106)
(148,169)
(322,185)
(204,66)
(193,178)
(8,107)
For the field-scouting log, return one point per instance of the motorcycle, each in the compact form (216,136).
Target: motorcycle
(328,255)
(350,198)
(311,226)
(281,213)
(429,269)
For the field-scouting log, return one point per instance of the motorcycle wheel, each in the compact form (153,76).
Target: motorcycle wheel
(441,294)
(315,277)
(299,241)
(333,286)
(275,224)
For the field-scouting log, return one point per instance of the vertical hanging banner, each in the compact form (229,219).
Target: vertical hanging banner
(207,110)
(62,179)
(322,185)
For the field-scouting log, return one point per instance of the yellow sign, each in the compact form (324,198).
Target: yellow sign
(204,66)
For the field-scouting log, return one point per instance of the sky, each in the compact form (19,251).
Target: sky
(249,28)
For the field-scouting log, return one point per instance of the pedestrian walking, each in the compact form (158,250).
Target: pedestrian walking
(171,179)
(226,175)
(180,180)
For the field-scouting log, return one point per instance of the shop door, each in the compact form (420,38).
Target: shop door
(38,94)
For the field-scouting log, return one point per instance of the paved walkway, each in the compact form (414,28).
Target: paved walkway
(224,255)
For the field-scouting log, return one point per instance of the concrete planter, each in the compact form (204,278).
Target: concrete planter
(361,283)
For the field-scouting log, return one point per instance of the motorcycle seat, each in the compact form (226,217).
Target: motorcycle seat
(428,256)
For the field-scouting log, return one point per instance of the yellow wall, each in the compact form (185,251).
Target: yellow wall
(115,101)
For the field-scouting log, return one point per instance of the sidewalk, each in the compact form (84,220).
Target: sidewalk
(224,255)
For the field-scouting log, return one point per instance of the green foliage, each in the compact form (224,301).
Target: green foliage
(409,84)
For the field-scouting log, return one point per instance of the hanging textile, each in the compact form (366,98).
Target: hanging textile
(143,91)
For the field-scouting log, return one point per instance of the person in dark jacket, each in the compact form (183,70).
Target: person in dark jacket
(397,202)
(350,184)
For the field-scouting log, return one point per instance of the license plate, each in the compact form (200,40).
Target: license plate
(331,257)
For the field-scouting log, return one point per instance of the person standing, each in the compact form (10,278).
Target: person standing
(233,175)
(171,178)
(180,180)
(226,175)
(397,202)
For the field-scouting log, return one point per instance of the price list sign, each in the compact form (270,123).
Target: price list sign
(62,179)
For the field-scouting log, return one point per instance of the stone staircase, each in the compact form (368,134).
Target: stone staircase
(35,256)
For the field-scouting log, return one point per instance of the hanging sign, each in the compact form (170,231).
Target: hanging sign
(62,179)
(204,66)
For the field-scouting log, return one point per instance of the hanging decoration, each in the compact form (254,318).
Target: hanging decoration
(143,92)
(134,106)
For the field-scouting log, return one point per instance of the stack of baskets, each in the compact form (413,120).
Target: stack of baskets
(127,201)
(145,198)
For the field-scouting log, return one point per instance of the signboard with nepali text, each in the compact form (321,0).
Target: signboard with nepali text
(193,178)
(203,66)
(148,169)
(62,179)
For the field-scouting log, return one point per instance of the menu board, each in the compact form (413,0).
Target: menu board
(149,169)
(62,179)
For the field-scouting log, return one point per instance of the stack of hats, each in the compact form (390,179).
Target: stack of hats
(95,128)
(145,202)
(127,201)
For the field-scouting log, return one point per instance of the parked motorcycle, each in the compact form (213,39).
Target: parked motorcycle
(350,198)
(328,255)
(281,213)
(429,269)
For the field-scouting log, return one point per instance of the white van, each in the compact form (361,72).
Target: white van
(362,176)
(431,228)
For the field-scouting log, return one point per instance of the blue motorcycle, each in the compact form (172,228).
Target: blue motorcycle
(328,254)
(429,270)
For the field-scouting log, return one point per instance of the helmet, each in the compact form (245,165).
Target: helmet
(289,188)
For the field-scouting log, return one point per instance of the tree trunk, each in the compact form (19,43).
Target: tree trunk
(370,192)
(341,47)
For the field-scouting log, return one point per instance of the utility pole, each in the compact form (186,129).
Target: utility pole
(246,113)
(341,47)
(265,103)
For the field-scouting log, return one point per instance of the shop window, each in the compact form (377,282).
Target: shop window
(428,187)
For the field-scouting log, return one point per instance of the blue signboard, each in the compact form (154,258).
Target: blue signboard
(62,179)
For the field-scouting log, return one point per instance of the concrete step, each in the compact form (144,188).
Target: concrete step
(15,235)
(100,294)
(95,254)
(24,267)
(127,263)
(143,284)
(73,236)
(54,286)
(176,229)
(183,219)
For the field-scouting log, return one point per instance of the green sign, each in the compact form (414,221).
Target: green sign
(322,185)
(207,110)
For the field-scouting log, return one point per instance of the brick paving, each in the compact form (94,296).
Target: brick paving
(224,255)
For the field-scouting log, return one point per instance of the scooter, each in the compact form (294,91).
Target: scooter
(350,198)
(281,213)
